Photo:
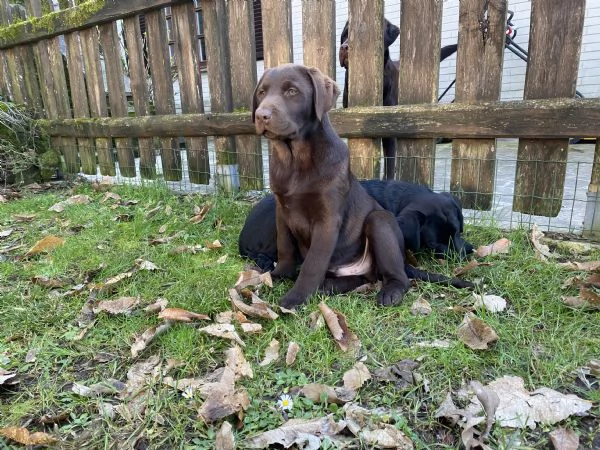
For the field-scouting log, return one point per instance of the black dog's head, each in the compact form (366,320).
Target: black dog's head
(288,98)
(390,34)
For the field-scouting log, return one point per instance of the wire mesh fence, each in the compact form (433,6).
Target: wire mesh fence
(576,203)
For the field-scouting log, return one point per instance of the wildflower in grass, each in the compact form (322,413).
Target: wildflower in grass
(285,403)
(188,392)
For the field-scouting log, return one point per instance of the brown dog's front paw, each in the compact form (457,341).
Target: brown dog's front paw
(284,271)
(291,300)
(391,293)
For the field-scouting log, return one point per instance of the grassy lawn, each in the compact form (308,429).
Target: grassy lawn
(540,339)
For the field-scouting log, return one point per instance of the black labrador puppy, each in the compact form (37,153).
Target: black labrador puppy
(428,221)
(323,215)
(391,70)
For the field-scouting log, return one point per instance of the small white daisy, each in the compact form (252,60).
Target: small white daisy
(285,403)
(188,392)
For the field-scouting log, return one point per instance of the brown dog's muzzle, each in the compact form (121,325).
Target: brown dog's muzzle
(262,118)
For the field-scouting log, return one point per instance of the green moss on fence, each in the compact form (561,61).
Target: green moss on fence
(51,21)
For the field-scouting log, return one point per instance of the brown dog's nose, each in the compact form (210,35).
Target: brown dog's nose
(263,114)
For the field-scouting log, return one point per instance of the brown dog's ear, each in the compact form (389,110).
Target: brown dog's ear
(326,91)
(255,101)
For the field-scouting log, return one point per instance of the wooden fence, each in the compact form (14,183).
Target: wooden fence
(70,63)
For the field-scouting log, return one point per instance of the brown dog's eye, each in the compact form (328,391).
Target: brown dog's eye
(291,91)
(260,93)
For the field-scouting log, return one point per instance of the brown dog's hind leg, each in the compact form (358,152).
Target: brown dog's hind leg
(383,233)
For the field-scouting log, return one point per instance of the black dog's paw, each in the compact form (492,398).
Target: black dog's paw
(292,299)
(392,293)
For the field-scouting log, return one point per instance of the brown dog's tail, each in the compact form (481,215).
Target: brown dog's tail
(417,274)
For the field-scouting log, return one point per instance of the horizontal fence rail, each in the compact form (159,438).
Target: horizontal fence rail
(555,118)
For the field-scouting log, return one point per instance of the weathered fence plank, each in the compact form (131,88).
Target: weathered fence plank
(481,36)
(591,221)
(418,82)
(53,85)
(243,81)
(552,118)
(117,98)
(318,35)
(14,70)
(163,100)
(277,31)
(554,48)
(139,91)
(364,60)
(190,86)
(90,45)
(79,99)
(214,13)
(82,16)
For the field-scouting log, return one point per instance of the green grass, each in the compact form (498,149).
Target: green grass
(540,339)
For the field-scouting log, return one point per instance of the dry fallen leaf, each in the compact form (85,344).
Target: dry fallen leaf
(321,392)
(200,213)
(222,259)
(142,264)
(373,428)
(436,343)
(587,299)
(249,327)
(181,315)
(542,251)
(500,246)
(305,434)
(336,322)
(356,377)
(236,361)
(271,353)
(421,306)
(492,303)
(45,245)
(123,305)
(470,266)
(253,278)
(564,439)
(142,341)
(47,282)
(401,373)
(225,440)
(590,266)
(475,333)
(80,199)
(292,352)
(223,398)
(6,233)
(223,330)
(258,308)
(5,376)
(157,306)
(23,436)
(23,217)
(214,244)
(139,374)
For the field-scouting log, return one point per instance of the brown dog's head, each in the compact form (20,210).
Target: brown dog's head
(390,34)
(290,99)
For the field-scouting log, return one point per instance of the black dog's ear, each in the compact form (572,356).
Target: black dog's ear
(326,91)
(390,33)
(255,101)
(344,35)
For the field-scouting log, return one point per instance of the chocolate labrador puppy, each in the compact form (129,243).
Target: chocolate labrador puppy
(323,214)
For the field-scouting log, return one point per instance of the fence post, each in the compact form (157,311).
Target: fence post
(190,86)
(214,14)
(139,90)
(554,48)
(481,37)
(591,221)
(318,35)
(243,81)
(164,98)
(418,82)
(277,31)
(365,78)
